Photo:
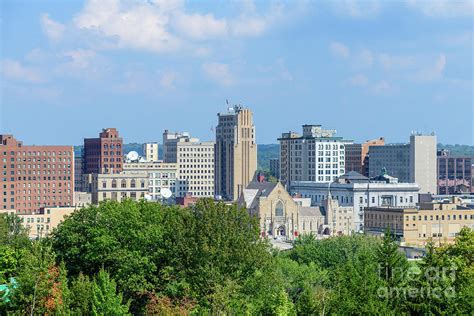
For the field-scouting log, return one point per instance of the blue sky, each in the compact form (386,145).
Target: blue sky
(365,68)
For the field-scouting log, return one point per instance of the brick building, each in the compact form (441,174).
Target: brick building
(454,173)
(35,176)
(103,154)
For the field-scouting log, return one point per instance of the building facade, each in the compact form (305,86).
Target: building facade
(280,215)
(161,175)
(235,152)
(353,158)
(195,160)
(275,167)
(117,187)
(104,154)
(357,155)
(439,222)
(357,191)
(150,152)
(454,173)
(170,144)
(35,176)
(316,156)
(414,162)
(78,172)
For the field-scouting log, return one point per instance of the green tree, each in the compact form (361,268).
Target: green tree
(81,295)
(105,300)
(42,285)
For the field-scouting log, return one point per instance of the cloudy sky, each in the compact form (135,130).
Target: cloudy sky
(365,68)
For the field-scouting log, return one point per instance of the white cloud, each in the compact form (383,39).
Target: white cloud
(433,71)
(382,87)
(142,26)
(219,73)
(165,25)
(12,69)
(339,49)
(355,8)
(80,58)
(365,58)
(201,26)
(168,79)
(390,62)
(359,80)
(443,8)
(53,29)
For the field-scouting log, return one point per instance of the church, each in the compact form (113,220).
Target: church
(281,216)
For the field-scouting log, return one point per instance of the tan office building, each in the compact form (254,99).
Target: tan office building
(117,187)
(41,223)
(440,222)
(235,152)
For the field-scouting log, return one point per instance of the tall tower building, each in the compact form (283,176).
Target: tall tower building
(103,154)
(423,162)
(235,152)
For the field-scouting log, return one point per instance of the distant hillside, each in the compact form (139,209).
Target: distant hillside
(264,153)
(463,150)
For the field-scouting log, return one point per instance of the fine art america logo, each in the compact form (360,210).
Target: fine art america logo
(432,283)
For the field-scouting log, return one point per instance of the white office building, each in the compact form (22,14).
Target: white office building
(195,160)
(317,155)
(160,175)
(358,191)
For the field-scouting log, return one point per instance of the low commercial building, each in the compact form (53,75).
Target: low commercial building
(117,187)
(339,220)
(82,199)
(439,222)
(357,191)
(161,175)
(42,222)
(280,215)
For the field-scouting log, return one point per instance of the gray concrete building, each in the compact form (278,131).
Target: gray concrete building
(414,162)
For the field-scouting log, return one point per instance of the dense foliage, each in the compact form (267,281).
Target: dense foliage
(145,258)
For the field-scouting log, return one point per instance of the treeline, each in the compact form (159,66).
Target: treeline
(145,258)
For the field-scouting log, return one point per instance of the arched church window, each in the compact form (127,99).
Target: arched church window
(279,209)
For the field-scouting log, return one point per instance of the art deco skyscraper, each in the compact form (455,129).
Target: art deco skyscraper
(235,152)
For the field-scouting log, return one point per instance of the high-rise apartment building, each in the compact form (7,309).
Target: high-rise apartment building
(235,152)
(454,173)
(103,154)
(414,162)
(317,155)
(35,176)
(150,152)
(170,141)
(195,161)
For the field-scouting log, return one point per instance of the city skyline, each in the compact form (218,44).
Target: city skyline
(367,69)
